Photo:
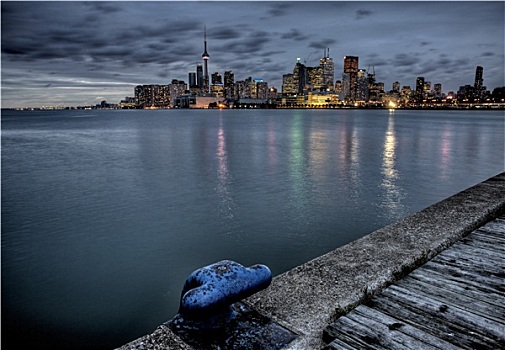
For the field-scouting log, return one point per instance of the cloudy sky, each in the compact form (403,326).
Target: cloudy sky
(79,53)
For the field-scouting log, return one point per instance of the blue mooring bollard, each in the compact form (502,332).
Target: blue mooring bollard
(212,289)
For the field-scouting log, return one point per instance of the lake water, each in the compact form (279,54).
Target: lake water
(105,213)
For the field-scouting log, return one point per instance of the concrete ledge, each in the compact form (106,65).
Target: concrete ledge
(309,297)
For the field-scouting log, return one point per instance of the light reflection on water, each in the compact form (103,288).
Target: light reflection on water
(393,192)
(104,217)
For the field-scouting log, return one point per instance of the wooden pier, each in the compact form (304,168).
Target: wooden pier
(455,301)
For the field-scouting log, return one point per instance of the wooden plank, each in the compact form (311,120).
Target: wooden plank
(474,261)
(480,242)
(468,277)
(373,333)
(338,344)
(436,279)
(387,334)
(344,329)
(446,296)
(453,274)
(497,225)
(474,246)
(431,324)
(451,313)
(395,325)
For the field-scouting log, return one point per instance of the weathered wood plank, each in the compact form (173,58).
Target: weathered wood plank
(466,276)
(344,329)
(451,313)
(443,329)
(424,339)
(386,334)
(497,225)
(457,286)
(374,334)
(338,344)
(484,242)
(474,261)
(448,297)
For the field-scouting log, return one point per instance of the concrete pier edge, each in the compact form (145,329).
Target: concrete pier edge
(309,297)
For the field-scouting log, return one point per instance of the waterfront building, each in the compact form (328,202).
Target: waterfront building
(362,92)
(217,86)
(241,89)
(152,96)
(176,88)
(350,77)
(479,83)
(216,78)
(199,75)
(289,86)
(427,90)
(261,89)
(437,91)
(300,76)
(192,80)
(338,86)
(315,79)
(396,86)
(229,85)
(405,95)
(419,95)
(217,90)
(328,75)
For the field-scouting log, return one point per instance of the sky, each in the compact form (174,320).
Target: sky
(69,53)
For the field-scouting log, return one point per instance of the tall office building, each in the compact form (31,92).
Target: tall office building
(362,86)
(300,76)
(216,78)
(350,77)
(229,85)
(326,63)
(419,89)
(289,86)
(192,79)
(205,58)
(479,82)
(199,75)
(396,86)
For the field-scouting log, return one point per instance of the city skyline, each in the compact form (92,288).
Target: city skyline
(74,53)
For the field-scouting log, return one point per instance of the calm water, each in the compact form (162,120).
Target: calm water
(105,213)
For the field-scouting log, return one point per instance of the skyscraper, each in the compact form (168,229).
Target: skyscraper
(229,85)
(192,79)
(419,89)
(479,82)
(350,77)
(205,57)
(326,63)
(300,76)
(199,75)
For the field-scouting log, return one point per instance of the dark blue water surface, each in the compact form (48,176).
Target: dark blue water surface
(105,213)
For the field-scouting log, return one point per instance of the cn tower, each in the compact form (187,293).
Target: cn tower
(205,57)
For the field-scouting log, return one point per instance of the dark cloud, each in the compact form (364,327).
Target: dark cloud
(103,7)
(487,54)
(322,44)
(360,14)
(404,59)
(294,34)
(278,9)
(223,33)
